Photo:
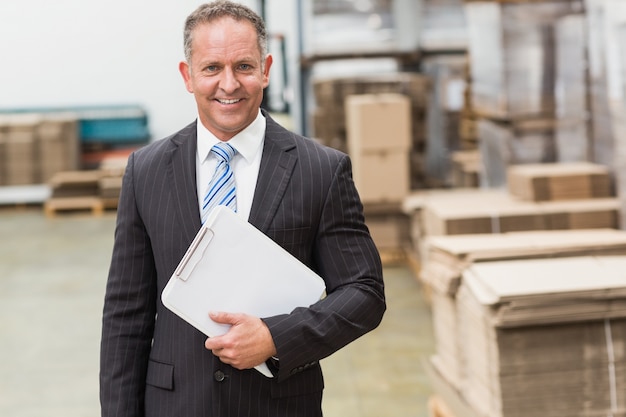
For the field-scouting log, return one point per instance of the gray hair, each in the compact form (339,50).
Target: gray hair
(209,12)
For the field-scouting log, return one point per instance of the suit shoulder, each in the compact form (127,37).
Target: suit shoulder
(313,148)
(155,150)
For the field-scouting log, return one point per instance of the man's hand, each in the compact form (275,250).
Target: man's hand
(247,344)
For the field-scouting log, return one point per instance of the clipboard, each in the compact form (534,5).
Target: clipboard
(232,266)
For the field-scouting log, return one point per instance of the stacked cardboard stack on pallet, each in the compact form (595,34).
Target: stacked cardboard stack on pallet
(566,181)
(503,305)
(544,337)
(33,147)
(38,143)
(74,190)
(93,190)
(498,212)
(20,152)
(59,147)
(110,184)
(378,130)
(329,118)
(446,258)
(554,196)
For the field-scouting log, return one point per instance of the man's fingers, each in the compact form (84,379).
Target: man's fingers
(222,317)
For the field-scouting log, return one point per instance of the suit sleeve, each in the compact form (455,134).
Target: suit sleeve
(129,311)
(346,257)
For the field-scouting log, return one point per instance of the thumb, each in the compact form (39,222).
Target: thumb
(222,317)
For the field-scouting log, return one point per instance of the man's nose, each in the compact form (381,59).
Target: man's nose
(229,82)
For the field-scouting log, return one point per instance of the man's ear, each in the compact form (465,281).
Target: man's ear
(266,70)
(185,71)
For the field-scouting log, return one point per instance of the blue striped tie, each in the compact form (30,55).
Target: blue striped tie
(221,189)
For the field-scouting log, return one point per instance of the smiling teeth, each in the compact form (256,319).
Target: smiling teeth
(229,101)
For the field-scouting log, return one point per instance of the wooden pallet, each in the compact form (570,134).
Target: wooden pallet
(54,205)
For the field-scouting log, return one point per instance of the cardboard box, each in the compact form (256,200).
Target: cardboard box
(330,95)
(58,146)
(559,181)
(20,157)
(110,187)
(499,212)
(76,183)
(544,337)
(382,176)
(389,226)
(448,257)
(378,122)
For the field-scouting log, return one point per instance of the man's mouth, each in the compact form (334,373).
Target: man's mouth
(233,101)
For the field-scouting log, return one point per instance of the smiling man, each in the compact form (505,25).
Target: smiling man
(297,192)
(227,72)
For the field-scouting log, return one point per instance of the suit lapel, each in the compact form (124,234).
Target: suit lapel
(182,180)
(277,165)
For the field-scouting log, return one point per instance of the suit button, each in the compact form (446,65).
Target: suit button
(219,376)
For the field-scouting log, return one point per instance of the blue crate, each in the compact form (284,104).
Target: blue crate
(114,125)
(113,130)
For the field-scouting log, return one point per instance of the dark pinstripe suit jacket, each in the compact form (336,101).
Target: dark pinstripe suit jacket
(153,363)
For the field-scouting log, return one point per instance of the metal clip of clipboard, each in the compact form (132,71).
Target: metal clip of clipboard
(193,252)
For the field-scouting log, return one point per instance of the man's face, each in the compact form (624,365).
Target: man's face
(226,76)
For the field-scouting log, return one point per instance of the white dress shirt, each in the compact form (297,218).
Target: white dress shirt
(245,164)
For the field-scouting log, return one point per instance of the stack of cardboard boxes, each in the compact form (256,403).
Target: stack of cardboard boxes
(59,145)
(379,143)
(544,337)
(20,152)
(94,190)
(33,148)
(329,117)
(557,182)
(527,293)
(552,196)
(446,258)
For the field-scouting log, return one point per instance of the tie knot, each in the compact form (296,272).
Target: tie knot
(224,151)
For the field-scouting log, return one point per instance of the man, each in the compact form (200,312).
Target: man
(297,192)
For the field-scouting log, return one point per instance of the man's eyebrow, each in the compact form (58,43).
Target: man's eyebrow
(208,62)
(247,59)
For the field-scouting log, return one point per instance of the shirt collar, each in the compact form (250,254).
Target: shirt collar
(247,142)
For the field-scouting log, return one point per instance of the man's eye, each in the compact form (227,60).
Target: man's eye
(211,68)
(245,67)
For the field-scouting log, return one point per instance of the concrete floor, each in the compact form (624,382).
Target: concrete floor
(52,279)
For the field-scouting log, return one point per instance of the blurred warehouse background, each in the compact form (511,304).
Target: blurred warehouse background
(501,123)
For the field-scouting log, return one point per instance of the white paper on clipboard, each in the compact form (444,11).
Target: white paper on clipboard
(232,266)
